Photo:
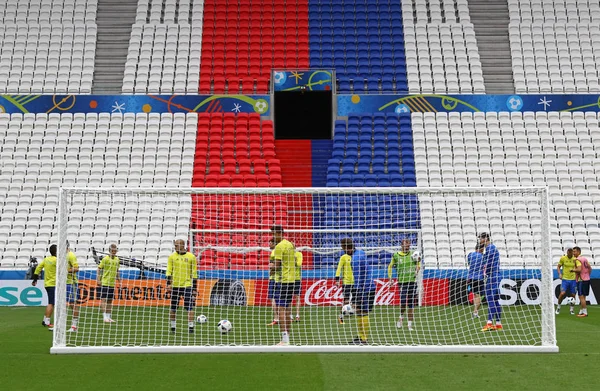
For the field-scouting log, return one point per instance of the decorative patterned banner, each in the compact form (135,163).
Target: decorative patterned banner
(405,104)
(135,103)
(312,80)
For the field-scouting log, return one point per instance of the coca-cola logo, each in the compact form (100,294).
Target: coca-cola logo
(324,292)
(384,295)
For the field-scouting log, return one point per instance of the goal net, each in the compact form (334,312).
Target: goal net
(191,259)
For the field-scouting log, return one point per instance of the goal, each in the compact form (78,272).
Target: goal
(432,231)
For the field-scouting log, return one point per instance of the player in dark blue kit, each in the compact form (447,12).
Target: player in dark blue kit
(364,287)
(491,271)
(475,277)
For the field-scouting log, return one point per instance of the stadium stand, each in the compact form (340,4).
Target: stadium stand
(47,47)
(243,40)
(554,46)
(164,49)
(441,49)
(42,152)
(372,150)
(510,149)
(363,42)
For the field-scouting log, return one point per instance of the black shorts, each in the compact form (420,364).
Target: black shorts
(365,301)
(284,295)
(107,292)
(349,292)
(186,294)
(408,294)
(50,292)
(583,288)
(298,288)
(477,286)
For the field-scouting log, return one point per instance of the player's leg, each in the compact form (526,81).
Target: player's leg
(572,292)
(72,295)
(403,300)
(298,293)
(271,295)
(109,303)
(364,306)
(583,289)
(412,299)
(49,308)
(188,302)
(561,296)
(173,310)
(491,298)
(347,293)
(284,301)
(476,289)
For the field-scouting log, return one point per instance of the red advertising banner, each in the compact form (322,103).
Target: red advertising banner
(325,292)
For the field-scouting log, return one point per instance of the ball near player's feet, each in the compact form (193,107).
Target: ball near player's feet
(201,319)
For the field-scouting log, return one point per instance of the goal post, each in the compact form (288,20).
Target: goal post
(228,231)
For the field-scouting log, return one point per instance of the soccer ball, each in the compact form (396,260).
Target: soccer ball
(514,103)
(570,301)
(416,255)
(261,106)
(280,77)
(201,319)
(224,326)
(347,310)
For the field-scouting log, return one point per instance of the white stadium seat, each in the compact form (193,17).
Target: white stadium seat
(30,225)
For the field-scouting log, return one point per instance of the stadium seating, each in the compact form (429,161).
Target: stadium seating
(163,59)
(554,46)
(40,153)
(501,149)
(235,151)
(441,49)
(243,40)
(44,58)
(362,41)
(372,150)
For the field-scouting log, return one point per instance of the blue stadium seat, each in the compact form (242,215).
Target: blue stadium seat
(364,169)
(338,154)
(384,182)
(365,135)
(371,180)
(378,168)
(358,181)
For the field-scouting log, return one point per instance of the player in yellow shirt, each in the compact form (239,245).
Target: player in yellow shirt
(274,279)
(49,266)
(568,286)
(298,284)
(182,277)
(285,263)
(72,288)
(108,274)
(345,276)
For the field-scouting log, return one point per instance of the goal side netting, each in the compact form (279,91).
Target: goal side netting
(197,271)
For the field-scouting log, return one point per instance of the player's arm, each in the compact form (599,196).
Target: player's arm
(100,271)
(558,269)
(338,272)
(74,266)
(169,273)
(194,273)
(278,257)
(299,258)
(391,269)
(577,268)
(36,273)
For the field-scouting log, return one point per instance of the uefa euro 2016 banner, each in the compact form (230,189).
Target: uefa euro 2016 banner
(253,292)
(261,104)
(120,104)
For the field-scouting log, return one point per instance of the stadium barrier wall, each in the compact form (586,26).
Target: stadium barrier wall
(346,104)
(440,287)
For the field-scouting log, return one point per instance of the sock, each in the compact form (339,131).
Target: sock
(173,323)
(475,312)
(366,326)
(361,327)
(489,322)
(46,320)
(74,322)
(191,324)
(106,316)
(558,307)
(276,320)
(498,323)
(410,323)
(285,337)
(585,311)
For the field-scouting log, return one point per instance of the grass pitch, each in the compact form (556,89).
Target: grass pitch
(25,362)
